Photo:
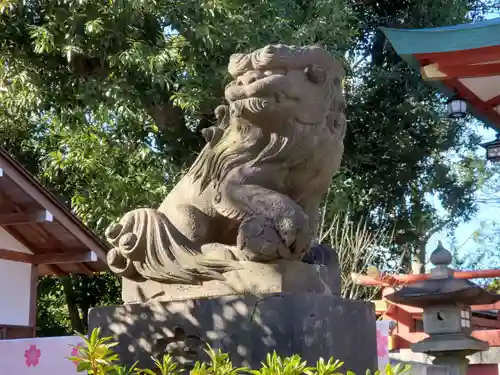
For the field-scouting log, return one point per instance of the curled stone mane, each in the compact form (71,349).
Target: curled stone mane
(213,164)
(282,56)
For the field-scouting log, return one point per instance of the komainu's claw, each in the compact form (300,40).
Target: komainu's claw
(258,240)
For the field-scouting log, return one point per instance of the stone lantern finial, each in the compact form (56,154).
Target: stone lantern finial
(441,258)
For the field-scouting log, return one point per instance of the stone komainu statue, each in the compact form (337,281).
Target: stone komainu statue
(254,191)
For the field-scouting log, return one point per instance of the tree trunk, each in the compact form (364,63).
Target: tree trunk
(74,313)
(85,316)
(418,259)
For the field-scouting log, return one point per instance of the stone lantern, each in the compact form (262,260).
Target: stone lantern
(446,304)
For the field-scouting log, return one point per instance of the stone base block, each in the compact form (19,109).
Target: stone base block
(254,278)
(248,327)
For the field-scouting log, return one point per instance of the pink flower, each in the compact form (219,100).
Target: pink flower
(75,352)
(32,356)
(382,345)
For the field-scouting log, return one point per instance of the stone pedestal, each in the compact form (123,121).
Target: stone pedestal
(248,327)
(290,307)
(250,278)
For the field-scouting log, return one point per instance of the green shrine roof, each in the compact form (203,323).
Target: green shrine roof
(461,60)
(445,39)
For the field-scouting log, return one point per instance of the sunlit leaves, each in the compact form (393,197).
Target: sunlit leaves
(43,39)
(70,51)
(7,6)
(94,26)
(97,357)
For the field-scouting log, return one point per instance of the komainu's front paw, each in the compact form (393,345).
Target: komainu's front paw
(295,231)
(259,241)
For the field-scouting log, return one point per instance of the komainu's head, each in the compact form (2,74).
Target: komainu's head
(285,106)
(284,83)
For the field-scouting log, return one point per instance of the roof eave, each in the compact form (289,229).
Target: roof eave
(61,213)
(444,39)
(441,86)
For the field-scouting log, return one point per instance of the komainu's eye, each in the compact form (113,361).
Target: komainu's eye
(315,74)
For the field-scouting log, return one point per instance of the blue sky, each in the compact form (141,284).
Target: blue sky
(464,232)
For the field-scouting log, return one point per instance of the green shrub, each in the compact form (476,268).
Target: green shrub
(98,358)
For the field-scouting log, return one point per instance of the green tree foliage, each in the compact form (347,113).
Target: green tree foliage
(63,303)
(109,95)
(494,286)
(103,101)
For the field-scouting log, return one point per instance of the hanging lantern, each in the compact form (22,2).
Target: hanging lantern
(457,108)
(493,149)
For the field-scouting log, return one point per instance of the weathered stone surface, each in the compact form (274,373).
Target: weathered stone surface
(253,193)
(247,327)
(251,278)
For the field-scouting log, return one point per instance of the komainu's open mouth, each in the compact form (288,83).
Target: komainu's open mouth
(257,104)
(251,105)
